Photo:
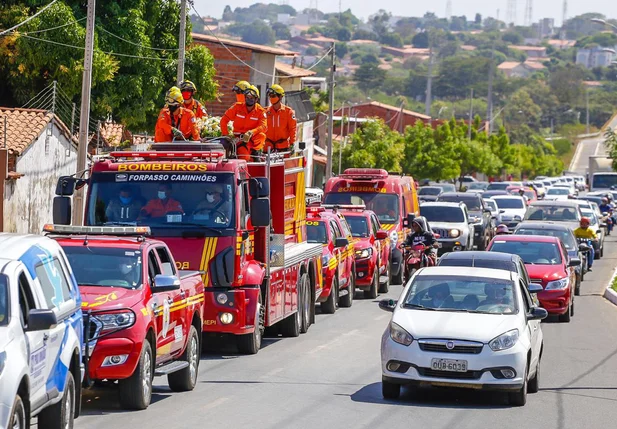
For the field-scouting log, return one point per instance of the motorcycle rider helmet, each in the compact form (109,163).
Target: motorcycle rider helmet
(585,222)
(502,229)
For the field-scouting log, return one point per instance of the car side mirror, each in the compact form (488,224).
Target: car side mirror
(164,283)
(260,212)
(574,262)
(502,211)
(535,288)
(537,313)
(341,242)
(41,320)
(407,222)
(381,235)
(388,305)
(488,211)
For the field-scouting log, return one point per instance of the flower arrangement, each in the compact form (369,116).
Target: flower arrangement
(211,127)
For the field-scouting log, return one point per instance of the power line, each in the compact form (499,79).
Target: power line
(135,44)
(28,19)
(54,28)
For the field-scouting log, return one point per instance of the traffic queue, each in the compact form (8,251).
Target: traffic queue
(472,321)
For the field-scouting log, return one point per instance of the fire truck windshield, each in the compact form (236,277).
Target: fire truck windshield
(385,206)
(162,200)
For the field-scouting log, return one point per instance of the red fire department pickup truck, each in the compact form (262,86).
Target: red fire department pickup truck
(339,272)
(242,223)
(143,316)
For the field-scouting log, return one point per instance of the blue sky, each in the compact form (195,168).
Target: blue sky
(364,8)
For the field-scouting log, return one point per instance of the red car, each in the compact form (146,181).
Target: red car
(372,250)
(339,273)
(145,315)
(548,265)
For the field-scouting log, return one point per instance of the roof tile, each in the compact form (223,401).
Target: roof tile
(23,127)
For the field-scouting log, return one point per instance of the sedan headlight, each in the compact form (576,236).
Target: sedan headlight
(517,218)
(113,321)
(558,284)
(364,253)
(399,335)
(455,233)
(504,341)
(394,236)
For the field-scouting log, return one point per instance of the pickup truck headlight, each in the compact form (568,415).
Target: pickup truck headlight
(364,253)
(399,335)
(504,341)
(114,321)
(455,233)
(517,218)
(558,284)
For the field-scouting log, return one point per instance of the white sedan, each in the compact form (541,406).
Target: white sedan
(463,327)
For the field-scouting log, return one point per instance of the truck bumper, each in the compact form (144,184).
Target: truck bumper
(396,261)
(230,311)
(113,347)
(365,270)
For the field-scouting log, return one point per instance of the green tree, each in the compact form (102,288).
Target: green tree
(392,39)
(281,31)
(369,76)
(374,145)
(420,40)
(341,49)
(566,84)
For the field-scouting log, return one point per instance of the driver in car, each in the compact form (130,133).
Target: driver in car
(162,205)
(214,206)
(496,294)
(123,209)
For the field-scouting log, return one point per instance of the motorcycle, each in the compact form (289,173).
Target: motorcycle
(585,245)
(415,258)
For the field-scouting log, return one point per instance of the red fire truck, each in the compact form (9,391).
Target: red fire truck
(242,224)
(393,198)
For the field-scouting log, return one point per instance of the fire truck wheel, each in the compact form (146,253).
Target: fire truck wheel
(385,286)
(347,300)
(186,379)
(304,304)
(135,392)
(249,344)
(329,306)
(372,292)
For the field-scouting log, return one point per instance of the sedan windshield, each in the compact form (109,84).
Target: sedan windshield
(492,205)
(462,293)
(105,266)
(478,185)
(358,225)
(4,300)
(534,253)
(558,191)
(554,213)
(510,203)
(385,206)
(472,202)
(565,236)
(429,190)
(498,186)
(442,214)
(316,232)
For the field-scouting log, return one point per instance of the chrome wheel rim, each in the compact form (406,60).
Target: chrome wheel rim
(68,409)
(193,359)
(146,374)
(18,418)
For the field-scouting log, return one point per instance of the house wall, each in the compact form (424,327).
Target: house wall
(368,110)
(28,202)
(290,84)
(265,77)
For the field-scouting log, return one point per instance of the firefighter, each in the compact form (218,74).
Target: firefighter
(281,134)
(189,89)
(174,120)
(250,123)
(239,89)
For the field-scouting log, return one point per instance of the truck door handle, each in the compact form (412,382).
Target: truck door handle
(170,300)
(182,293)
(45,337)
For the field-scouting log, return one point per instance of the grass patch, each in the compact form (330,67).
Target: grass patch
(566,157)
(614,285)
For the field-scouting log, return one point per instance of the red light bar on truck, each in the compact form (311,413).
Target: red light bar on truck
(315,210)
(364,173)
(98,230)
(168,155)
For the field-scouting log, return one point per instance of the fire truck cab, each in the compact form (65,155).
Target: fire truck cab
(392,197)
(241,223)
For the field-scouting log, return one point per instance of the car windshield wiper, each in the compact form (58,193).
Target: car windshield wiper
(418,307)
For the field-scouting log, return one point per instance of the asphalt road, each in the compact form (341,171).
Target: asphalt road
(331,376)
(589,147)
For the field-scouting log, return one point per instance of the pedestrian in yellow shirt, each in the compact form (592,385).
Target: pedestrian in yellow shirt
(586,233)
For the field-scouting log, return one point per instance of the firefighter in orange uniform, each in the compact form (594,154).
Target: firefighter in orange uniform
(239,89)
(249,120)
(281,134)
(188,89)
(174,120)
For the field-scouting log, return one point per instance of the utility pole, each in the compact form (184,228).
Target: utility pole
(489,100)
(330,113)
(429,81)
(587,106)
(84,118)
(470,115)
(181,42)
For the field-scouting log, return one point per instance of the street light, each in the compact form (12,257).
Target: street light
(604,22)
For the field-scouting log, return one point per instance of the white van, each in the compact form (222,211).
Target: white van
(41,332)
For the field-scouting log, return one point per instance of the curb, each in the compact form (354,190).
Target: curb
(609,293)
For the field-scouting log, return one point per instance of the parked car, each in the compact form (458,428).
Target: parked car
(463,327)
(429,193)
(371,249)
(338,261)
(479,215)
(565,234)
(451,221)
(41,334)
(512,209)
(548,264)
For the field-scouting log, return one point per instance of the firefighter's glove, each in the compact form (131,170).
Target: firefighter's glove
(177,133)
(246,137)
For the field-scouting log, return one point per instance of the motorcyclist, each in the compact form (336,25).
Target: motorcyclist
(521,192)
(281,134)
(239,89)
(188,89)
(420,237)
(586,233)
(605,207)
(249,120)
(174,120)
(502,230)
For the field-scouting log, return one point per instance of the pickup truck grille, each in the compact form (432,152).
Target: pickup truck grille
(446,346)
(443,233)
